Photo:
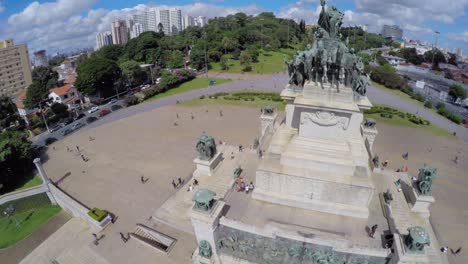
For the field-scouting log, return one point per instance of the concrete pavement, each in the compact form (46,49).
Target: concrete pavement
(275,83)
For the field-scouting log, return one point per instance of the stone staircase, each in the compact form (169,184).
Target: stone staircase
(153,238)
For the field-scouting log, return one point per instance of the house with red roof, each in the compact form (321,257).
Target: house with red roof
(23,111)
(66,94)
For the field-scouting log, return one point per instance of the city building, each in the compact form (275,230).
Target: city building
(165,20)
(189,21)
(176,21)
(392,32)
(15,68)
(459,53)
(136,30)
(40,58)
(120,32)
(201,21)
(103,39)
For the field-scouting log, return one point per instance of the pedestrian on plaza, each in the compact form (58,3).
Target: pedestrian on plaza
(405,156)
(174,184)
(444,250)
(373,229)
(122,236)
(220,113)
(456,160)
(192,116)
(385,164)
(247,189)
(78,148)
(91,138)
(190,188)
(195,182)
(84,158)
(175,124)
(251,186)
(260,153)
(232,155)
(95,236)
(456,252)
(177,115)
(68,149)
(180,181)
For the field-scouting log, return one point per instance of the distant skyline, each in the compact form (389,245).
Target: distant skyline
(64,25)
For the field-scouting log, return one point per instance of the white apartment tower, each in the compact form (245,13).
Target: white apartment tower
(137,29)
(119,32)
(176,21)
(165,20)
(103,39)
(201,21)
(188,21)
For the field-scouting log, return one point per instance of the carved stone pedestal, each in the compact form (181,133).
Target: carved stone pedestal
(403,256)
(369,134)
(206,167)
(420,203)
(267,122)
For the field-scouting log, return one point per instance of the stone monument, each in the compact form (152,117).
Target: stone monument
(318,160)
(267,120)
(419,195)
(208,156)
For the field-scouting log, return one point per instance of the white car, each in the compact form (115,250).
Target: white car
(93,109)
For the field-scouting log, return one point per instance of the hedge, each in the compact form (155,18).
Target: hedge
(97,214)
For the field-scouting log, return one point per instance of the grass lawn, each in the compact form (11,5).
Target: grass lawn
(268,62)
(30,221)
(34,181)
(197,83)
(258,103)
(398,121)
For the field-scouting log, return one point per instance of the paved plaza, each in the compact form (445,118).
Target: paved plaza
(159,146)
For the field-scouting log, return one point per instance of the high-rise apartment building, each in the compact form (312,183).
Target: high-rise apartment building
(188,21)
(136,30)
(201,21)
(120,32)
(392,32)
(40,58)
(15,68)
(165,20)
(176,21)
(103,39)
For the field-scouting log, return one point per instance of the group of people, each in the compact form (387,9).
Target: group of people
(242,187)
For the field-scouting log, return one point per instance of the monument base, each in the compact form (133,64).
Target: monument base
(206,167)
(420,203)
(403,256)
(197,259)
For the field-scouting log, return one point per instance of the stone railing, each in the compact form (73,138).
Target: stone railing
(22,194)
(76,208)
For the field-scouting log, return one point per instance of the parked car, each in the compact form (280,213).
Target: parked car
(91,119)
(113,101)
(104,113)
(67,131)
(78,126)
(93,109)
(79,116)
(55,128)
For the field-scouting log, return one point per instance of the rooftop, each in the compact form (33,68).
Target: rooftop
(62,90)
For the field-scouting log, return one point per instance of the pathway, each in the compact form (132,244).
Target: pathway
(275,83)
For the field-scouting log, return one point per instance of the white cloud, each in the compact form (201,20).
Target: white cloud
(61,25)
(463,36)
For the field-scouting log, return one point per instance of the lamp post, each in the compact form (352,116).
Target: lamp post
(433,47)
(8,212)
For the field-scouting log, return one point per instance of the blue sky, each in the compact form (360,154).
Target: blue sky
(60,25)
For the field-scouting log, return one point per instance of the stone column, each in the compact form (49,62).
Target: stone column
(205,225)
(45,179)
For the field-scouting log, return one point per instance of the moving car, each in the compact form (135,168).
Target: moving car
(77,126)
(55,128)
(104,113)
(93,109)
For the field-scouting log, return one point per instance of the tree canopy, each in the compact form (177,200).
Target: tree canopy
(457,91)
(97,76)
(8,112)
(44,79)
(16,155)
(132,72)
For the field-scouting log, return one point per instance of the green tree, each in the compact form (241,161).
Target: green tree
(43,74)
(16,155)
(36,93)
(111,52)
(176,60)
(438,58)
(60,110)
(457,91)
(452,59)
(57,60)
(386,75)
(197,56)
(229,44)
(97,76)
(8,112)
(132,72)
(224,63)
(245,59)
(411,56)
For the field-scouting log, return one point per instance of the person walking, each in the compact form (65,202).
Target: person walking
(373,229)
(456,252)
(78,148)
(180,181)
(174,184)
(122,236)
